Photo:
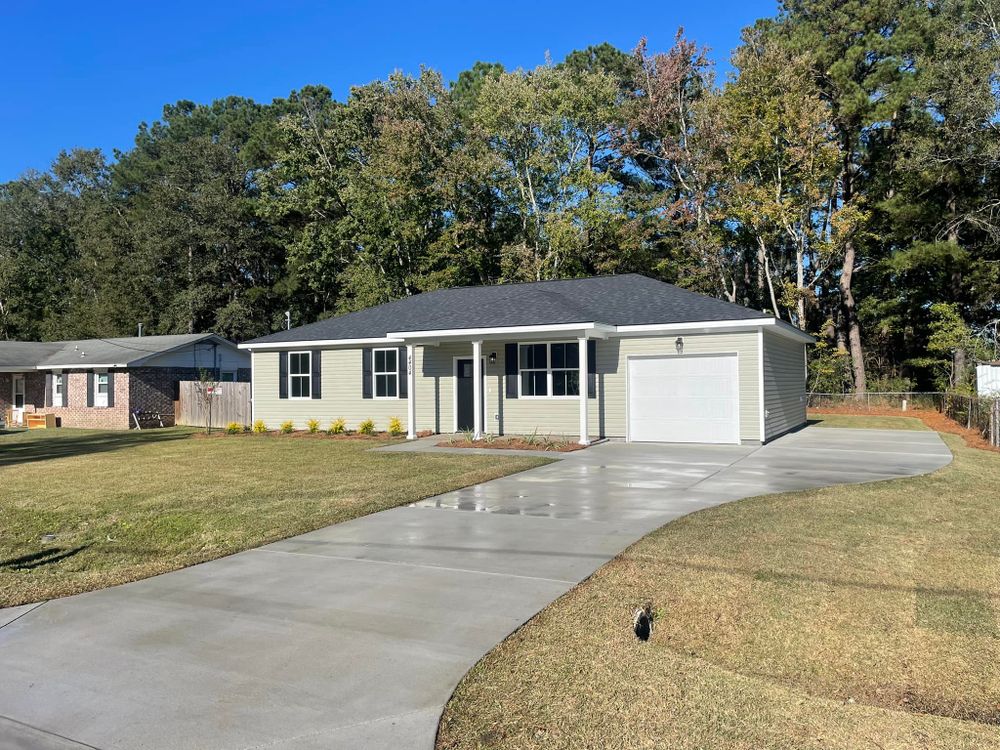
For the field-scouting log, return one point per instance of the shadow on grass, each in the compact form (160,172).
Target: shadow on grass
(35,446)
(38,559)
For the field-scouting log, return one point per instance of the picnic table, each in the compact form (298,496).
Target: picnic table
(151,418)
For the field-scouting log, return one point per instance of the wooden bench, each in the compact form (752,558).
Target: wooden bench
(40,421)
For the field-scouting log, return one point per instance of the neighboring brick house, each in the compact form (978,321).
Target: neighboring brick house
(100,383)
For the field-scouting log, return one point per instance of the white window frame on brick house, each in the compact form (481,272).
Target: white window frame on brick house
(58,389)
(101,399)
(303,377)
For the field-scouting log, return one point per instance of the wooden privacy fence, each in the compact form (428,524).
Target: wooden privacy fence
(227,402)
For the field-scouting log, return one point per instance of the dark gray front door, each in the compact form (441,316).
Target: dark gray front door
(465,395)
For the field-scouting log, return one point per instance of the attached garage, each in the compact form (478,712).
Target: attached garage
(684,399)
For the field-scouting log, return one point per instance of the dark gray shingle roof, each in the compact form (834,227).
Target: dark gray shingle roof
(629,299)
(86,352)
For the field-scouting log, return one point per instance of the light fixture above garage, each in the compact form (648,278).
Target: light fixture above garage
(679,345)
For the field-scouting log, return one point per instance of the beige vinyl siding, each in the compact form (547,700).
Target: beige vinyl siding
(784,385)
(607,413)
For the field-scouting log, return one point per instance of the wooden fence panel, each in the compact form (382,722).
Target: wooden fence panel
(228,402)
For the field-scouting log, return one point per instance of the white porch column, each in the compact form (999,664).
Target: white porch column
(477,389)
(411,393)
(584,422)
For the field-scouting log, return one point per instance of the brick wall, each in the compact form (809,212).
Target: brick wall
(155,388)
(78,414)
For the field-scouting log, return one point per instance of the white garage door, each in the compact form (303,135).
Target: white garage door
(684,399)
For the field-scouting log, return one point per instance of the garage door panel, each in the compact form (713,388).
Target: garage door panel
(690,399)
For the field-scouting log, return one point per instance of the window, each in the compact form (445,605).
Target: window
(549,369)
(299,374)
(101,389)
(386,372)
(227,376)
(58,387)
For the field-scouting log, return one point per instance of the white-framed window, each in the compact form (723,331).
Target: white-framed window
(101,389)
(549,370)
(299,374)
(227,376)
(58,388)
(385,370)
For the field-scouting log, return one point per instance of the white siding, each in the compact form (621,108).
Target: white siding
(784,385)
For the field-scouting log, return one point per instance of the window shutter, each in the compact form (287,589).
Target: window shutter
(282,374)
(65,377)
(591,368)
(404,382)
(111,389)
(90,389)
(48,389)
(366,372)
(316,358)
(510,369)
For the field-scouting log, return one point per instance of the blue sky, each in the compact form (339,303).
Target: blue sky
(86,73)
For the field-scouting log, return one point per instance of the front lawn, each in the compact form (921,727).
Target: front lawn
(859,616)
(864,421)
(124,506)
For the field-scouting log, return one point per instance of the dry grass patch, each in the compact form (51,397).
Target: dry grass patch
(871,422)
(124,506)
(861,616)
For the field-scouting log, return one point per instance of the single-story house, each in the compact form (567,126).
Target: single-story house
(614,356)
(100,383)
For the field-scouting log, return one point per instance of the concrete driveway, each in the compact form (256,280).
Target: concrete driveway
(354,636)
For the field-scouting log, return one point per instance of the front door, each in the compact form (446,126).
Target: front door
(464,396)
(17,400)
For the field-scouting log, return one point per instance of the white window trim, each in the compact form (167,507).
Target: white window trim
(101,399)
(376,373)
(548,372)
(58,396)
(307,375)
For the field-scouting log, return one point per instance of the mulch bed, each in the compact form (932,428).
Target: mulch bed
(930,417)
(513,443)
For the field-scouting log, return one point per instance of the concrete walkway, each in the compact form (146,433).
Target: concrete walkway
(355,635)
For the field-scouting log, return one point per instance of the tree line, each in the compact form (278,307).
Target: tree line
(843,177)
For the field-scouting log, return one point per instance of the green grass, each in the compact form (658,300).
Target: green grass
(859,616)
(125,506)
(863,421)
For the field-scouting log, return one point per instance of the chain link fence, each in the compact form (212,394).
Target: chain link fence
(973,412)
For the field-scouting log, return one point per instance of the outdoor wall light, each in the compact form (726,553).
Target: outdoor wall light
(679,345)
(493,358)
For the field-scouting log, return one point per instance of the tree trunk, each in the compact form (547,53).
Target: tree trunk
(850,321)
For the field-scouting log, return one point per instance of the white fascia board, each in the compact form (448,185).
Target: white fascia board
(717,326)
(589,329)
(86,366)
(320,343)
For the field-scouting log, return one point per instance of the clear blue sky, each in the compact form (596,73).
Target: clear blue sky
(86,73)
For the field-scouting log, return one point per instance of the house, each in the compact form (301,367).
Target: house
(101,382)
(615,356)
(988,379)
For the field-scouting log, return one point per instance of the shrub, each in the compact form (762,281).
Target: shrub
(367,427)
(287,426)
(259,426)
(337,427)
(396,427)
(313,426)
(234,428)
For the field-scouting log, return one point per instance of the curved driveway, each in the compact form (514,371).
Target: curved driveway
(355,635)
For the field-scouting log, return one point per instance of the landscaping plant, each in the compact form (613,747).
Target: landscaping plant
(287,427)
(396,427)
(259,427)
(312,426)
(367,427)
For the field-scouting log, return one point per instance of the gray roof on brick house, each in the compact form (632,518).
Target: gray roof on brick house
(81,353)
(629,299)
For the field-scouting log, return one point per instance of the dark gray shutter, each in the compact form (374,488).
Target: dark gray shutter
(401,368)
(591,368)
(315,388)
(282,374)
(366,373)
(90,389)
(48,389)
(111,389)
(510,369)
(65,377)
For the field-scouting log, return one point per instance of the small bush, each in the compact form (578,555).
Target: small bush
(396,427)
(234,428)
(287,426)
(367,427)
(259,426)
(337,427)
(313,426)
